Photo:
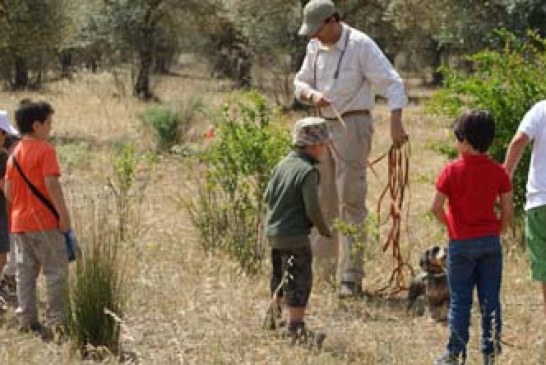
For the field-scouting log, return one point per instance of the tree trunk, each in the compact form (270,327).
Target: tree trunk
(142,86)
(21,74)
(66,64)
(162,64)
(437,52)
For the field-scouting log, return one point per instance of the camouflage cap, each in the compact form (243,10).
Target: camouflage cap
(310,131)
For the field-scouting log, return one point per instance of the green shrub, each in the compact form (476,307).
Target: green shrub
(165,124)
(506,82)
(97,295)
(229,210)
(128,191)
(170,123)
(365,236)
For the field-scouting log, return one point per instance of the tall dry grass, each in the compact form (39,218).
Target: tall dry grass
(187,307)
(98,289)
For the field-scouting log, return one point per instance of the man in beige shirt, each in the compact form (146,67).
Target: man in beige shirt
(340,68)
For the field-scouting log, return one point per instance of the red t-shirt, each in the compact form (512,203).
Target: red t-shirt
(37,160)
(472,184)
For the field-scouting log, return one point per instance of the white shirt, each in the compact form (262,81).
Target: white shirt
(363,65)
(533,126)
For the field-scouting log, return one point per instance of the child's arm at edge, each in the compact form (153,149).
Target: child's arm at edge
(506,210)
(438,207)
(55,191)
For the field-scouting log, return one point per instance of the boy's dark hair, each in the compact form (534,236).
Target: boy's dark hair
(477,127)
(29,112)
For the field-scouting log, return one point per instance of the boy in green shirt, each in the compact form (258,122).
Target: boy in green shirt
(293,209)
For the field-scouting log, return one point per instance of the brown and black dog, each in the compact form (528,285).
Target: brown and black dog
(432,284)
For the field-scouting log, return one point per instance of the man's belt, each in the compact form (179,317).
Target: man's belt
(349,113)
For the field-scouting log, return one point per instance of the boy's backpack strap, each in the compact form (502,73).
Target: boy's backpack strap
(35,190)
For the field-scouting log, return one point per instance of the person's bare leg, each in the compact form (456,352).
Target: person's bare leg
(295,315)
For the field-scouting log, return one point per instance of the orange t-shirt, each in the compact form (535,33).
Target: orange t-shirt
(27,212)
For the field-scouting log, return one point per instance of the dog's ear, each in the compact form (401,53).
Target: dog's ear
(431,255)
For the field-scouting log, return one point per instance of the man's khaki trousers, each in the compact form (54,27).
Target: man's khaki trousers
(342,190)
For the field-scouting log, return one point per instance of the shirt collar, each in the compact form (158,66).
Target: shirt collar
(340,44)
(477,157)
(305,156)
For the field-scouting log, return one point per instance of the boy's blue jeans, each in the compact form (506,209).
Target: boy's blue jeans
(473,263)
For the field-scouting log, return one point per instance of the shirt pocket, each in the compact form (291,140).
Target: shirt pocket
(349,81)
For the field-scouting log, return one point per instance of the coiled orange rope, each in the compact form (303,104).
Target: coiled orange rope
(395,190)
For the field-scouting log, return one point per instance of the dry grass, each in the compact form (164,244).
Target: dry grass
(189,308)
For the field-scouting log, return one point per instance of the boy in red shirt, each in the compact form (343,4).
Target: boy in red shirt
(37,232)
(471,185)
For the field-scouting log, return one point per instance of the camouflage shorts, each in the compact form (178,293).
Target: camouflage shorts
(293,269)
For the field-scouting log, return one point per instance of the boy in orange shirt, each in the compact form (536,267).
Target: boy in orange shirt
(37,232)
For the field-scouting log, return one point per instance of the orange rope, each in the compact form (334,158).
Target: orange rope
(398,183)
(396,187)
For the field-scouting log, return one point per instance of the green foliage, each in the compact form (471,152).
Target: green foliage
(444,149)
(365,236)
(507,83)
(271,26)
(271,30)
(128,190)
(228,210)
(165,123)
(31,32)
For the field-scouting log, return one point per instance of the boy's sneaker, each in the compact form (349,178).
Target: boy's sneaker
(299,334)
(296,333)
(447,359)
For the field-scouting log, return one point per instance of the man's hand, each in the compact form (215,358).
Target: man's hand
(318,99)
(398,133)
